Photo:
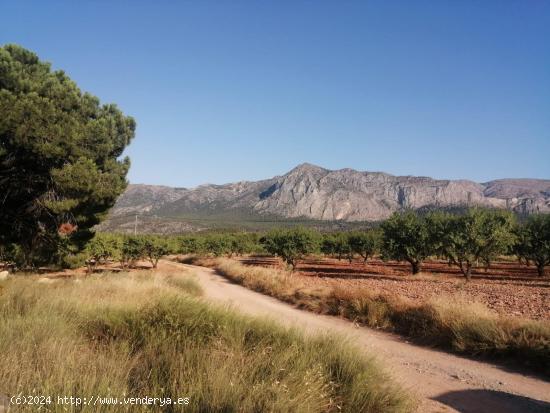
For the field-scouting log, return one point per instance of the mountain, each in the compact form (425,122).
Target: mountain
(309,192)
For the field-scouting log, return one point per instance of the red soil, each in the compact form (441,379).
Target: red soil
(508,288)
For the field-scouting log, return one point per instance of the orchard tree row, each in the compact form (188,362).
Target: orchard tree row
(475,238)
(128,249)
(467,241)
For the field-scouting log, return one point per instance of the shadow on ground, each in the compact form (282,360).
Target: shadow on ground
(469,401)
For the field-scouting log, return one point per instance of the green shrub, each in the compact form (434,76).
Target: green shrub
(73,261)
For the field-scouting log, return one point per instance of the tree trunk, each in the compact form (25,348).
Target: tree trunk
(415,267)
(468,273)
(465,268)
(540,269)
(292,265)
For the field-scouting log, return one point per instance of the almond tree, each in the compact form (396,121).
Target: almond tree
(133,249)
(337,244)
(478,236)
(533,242)
(291,245)
(154,248)
(217,244)
(100,249)
(366,243)
(240,244)
(190,245)
(405,238)
(438,225)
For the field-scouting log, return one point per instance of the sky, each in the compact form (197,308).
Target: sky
(224,91)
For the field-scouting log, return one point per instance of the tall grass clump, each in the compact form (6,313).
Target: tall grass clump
(470,328)
(450,323)
(150,335)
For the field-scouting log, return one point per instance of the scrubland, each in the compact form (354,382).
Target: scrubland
(149,334)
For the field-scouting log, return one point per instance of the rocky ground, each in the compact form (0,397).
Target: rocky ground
(507,288)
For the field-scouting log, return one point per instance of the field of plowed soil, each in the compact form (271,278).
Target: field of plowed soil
(507,288)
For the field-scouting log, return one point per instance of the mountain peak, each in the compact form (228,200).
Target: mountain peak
(310,191)
(307,167)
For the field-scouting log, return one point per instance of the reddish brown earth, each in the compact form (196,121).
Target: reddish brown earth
(508,288)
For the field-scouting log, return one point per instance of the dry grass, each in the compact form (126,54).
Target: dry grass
(148,334)
(449,322)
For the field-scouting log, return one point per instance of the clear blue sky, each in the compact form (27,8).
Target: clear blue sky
(233,90)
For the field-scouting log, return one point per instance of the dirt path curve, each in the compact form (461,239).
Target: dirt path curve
(444,382)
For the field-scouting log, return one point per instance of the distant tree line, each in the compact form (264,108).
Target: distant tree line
(468,241)
(129,249)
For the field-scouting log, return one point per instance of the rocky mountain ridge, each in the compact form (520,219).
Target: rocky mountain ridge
(312,192)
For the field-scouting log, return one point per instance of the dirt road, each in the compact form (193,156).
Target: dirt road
(443,382)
